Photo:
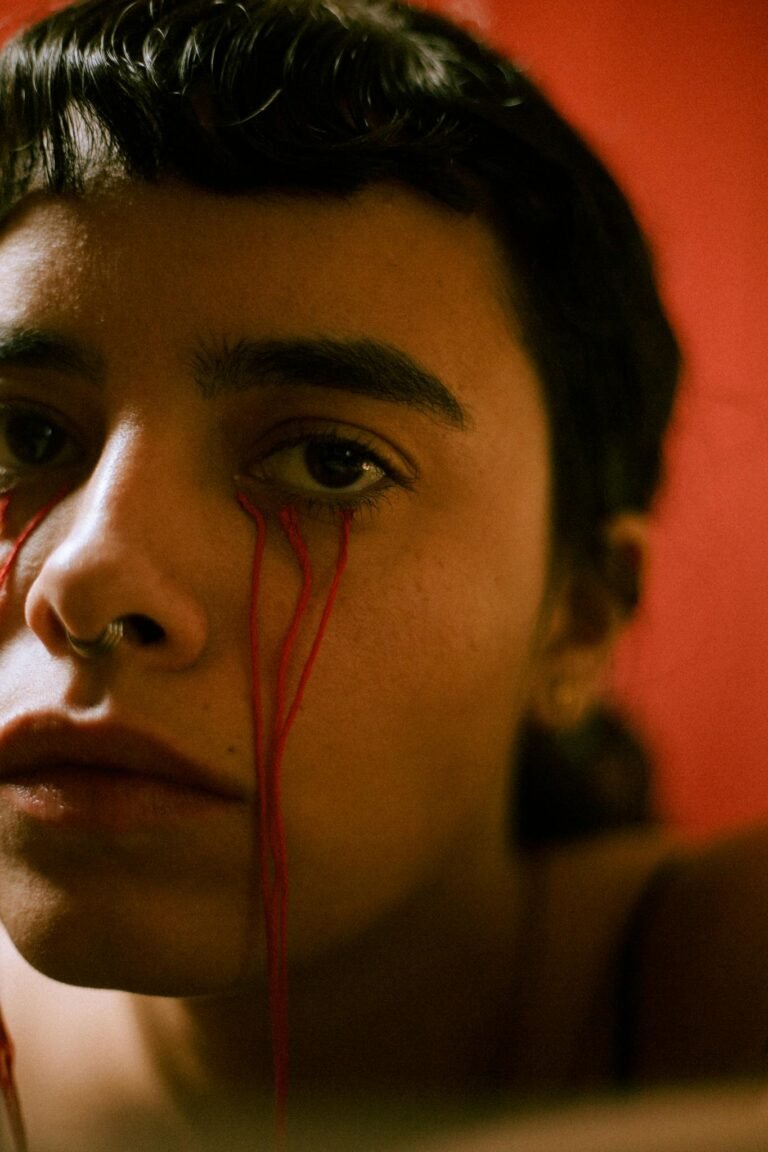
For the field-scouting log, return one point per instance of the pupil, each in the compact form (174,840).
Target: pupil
(334,465)
(33,440)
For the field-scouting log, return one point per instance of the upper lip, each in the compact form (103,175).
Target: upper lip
(36,745)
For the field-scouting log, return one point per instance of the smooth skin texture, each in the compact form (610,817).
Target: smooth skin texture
(396,772)
(395,779)
(452,615)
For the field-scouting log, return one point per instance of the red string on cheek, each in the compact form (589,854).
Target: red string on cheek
(265,861)
(21,540)
(341,564)
(290,525)
(7,1053)
(273,853)
(8,1088)
(268,864)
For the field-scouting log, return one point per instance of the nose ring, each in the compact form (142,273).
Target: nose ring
(100,645)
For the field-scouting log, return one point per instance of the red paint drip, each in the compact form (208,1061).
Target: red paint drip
(7,1080)
(272,847)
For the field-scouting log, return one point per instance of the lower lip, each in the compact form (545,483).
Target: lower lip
(114,801)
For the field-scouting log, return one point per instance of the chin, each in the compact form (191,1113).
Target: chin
(128,944)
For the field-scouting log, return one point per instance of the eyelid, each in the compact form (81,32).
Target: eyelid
(47,411)
(393,461)
(291,432)
(395,468)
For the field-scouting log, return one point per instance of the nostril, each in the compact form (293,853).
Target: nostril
(143,629)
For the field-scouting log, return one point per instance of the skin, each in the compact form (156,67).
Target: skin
(449,619)
(425,952)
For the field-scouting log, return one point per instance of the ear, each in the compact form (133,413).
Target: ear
(590,607)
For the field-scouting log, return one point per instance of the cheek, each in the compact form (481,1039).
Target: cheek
(404,744)
(445,636)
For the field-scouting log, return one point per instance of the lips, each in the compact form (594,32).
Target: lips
(104,774)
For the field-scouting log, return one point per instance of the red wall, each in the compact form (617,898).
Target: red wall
(675,95)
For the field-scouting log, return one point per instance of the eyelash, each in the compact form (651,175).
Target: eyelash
(307,434)
(301,434)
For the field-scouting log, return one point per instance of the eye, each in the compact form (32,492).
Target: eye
(336,465)
(332,468)
(30,439)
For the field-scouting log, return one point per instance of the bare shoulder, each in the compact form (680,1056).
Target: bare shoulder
(650,960)
(582,903)
(701,963)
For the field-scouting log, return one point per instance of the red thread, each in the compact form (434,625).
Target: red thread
(290,525)
(19,543)
(258,724)
(7,1080)
(8,1087)
(273,853)
(341,564)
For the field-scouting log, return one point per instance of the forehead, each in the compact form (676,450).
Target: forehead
(382,235)
(149,271)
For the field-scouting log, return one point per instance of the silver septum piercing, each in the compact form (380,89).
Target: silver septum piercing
(100,645)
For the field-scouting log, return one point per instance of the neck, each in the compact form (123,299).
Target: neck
(416,1002)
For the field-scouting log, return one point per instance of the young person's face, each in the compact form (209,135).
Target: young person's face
(128,383)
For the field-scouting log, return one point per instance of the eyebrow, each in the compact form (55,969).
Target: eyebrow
(38,348)
(364,367)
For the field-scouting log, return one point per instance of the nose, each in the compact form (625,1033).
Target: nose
(123,555)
